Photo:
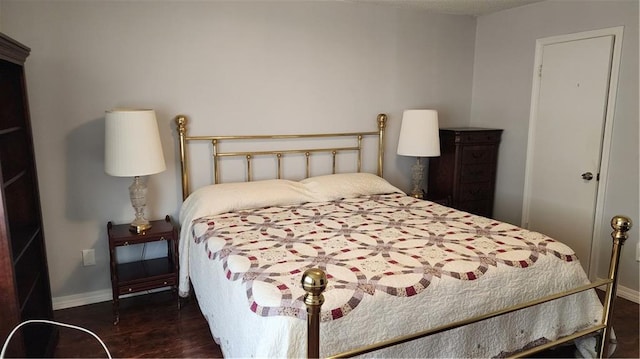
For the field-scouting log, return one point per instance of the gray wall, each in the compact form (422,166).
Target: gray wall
(503,73)
(233,67)
(283,67)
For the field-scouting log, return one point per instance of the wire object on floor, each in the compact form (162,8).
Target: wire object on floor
(44,321)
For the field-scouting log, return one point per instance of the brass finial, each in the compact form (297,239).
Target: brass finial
(382,120)
(621,225)
(181,122)
(314,282)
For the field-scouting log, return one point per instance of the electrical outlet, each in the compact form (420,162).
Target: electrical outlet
(88,257)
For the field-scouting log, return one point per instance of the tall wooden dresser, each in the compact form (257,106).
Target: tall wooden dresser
(464,175)
(25,291)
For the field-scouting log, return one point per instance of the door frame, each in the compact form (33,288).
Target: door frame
(617,33)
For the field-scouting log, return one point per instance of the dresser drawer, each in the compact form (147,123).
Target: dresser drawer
(480,172)
(167,281)
(479,154)
(480,208)
(475,191)
(479,137)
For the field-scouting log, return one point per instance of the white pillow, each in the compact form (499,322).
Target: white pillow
(226,197)
(347,185)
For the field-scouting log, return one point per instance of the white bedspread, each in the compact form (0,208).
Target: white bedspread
(387,289)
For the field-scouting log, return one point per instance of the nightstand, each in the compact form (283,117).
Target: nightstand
(143,275)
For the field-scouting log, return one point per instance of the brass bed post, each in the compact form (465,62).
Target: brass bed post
(382,121)
(279,161)
(359,153)
(181,122)
(621,226)
(314,282)
(249,175)
(216,167)
(333,162)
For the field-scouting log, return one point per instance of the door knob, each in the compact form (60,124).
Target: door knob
(587,176)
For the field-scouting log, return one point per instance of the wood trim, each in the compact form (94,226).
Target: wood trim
(13,51)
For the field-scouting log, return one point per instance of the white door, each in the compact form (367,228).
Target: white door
(566,136)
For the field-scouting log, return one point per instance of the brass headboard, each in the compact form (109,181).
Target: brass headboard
(183,140)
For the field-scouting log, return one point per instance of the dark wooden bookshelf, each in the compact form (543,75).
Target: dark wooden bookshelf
(24,275)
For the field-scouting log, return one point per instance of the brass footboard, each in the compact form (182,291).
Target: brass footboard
(314,282)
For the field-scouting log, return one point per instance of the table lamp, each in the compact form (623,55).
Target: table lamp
(419,137)
(133,149)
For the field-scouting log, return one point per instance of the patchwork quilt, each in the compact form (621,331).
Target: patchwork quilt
(391,243)
(396,265)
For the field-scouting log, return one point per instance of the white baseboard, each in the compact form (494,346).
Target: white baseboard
(628,294)
(624,292)
(77,300)
(99,296)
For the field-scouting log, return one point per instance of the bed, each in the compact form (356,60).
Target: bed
(375,265)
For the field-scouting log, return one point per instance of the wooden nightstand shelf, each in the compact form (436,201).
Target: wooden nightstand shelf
(146,274)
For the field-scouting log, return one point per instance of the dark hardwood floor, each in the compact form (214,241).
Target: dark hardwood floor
(152,327)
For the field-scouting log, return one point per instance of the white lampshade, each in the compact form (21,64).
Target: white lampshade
(132,143)
(419,134)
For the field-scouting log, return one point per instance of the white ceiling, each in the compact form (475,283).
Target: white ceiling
(456,7)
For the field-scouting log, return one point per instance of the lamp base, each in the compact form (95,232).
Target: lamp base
(138,196)
(138,227)
(417,174)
